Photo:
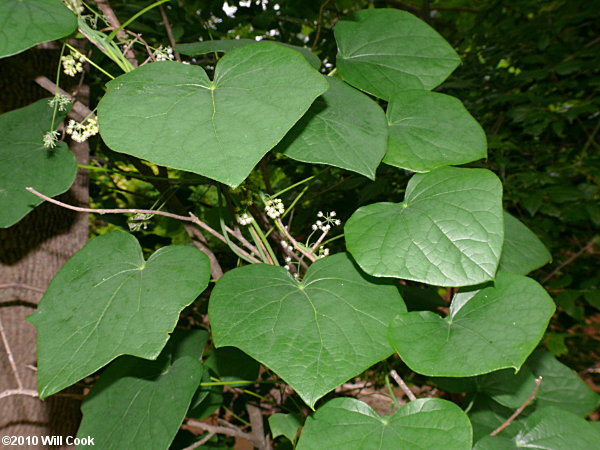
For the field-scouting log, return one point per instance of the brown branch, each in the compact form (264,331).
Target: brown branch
(258,432)
(319,22)
(230,430)
(191,218)
(519,410)
(79,110)
(411,396)
(114,22)
(169,31)
(314,247)
(11,359)
(201,442)
(11,392)
(297,246)
(572,258)
(22,286)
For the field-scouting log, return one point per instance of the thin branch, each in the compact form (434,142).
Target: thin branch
(114,22)
(238,235)
(11,392)
(191,218)
(411,396)
(318,33)
(11,359)
(314,247)
(78,108)
(258,431)
(297,246)
(519,410)
(231,430)
(201,442)
(572,258)
(22,286)
(169,31)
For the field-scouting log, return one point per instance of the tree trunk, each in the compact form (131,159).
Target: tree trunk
(31,252)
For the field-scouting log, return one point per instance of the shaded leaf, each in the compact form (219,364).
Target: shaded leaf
(24,24)
(106,301)
(231,364)
(496,329)
(226,45)
(522,251)
(384,51)
(447,232)
(25,162)
(343,128)
(172,114)
(140,404)
(284,425)
(315,334)
(430,130)
(351,424)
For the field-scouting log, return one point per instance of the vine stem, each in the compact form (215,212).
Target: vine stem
(520,409)
(11,361)
(191,218)
(572,258)
(411,396)
(295,243)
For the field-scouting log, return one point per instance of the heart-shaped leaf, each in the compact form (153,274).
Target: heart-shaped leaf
(496,329)
(522,251)
(384,51)
(25,162)
(508,388)
(284,425)
(140,404)
(315,334)
(173,114)
(430,130)
(561,386)
(351,424)
(447,232)
(343,128)
(24,24)
(106,301)
(227,45)
(549,428)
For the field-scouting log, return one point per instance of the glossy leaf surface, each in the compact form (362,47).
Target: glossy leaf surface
(25,162)
(384,51)
(140,404)
(497,328)
(351,424)
(173,114)
(447,232)
(343,128)
(430,130)
(106,301)
(24,24)
(315,334)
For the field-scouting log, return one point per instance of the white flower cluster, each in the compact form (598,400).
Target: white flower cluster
(50,139)
(80,132)
(74,5)
(164,53)
(274,208)
(323,252)
(61,101)
(244,219)
(288,260)
(326,221)
(73,63)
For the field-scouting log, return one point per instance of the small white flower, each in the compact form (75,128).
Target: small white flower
(328,222)
(74,5)
(70,66)
(323,252)
(80,132)
(286,267)
(50,139)
(274,208)
(320,214)
(288,259)
(244,219)
(60,101)
(163,53)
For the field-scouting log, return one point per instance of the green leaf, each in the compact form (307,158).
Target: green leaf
(504,386)
(140,404)
(227,45)
(447,232)
(25,162)
(523,251)
(231,364)
(106,301)
(351,424)
(430,130)
(384,51)
(343,128)
(315,334)
(172,114)
(496,329)
(284,425)
(24,24)
(549,428)
(561,386)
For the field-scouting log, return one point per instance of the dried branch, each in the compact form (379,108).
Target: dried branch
(588,246)
(411,396)
(11,359)
(169,31)
(519,410)
(11,392)
(290,238)
(22,286)
(229,430)
(79,110)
